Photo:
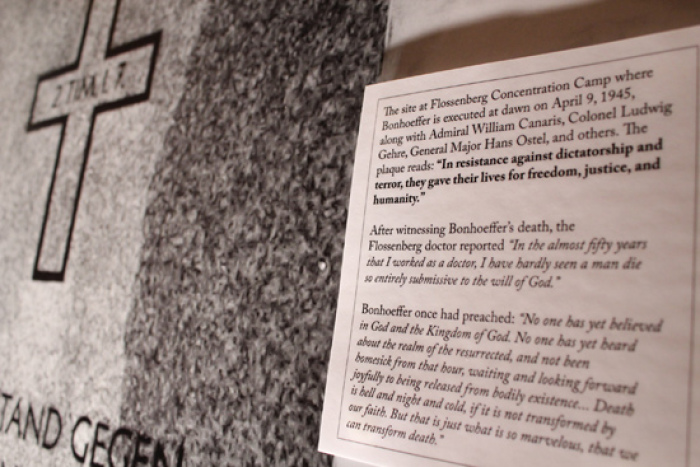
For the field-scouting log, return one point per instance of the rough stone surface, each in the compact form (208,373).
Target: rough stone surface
(228,339)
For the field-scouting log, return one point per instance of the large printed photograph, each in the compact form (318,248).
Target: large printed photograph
(174,194)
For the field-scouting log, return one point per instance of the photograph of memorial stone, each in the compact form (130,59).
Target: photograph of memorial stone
(173,202)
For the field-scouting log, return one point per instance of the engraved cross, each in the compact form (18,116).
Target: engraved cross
(103,77)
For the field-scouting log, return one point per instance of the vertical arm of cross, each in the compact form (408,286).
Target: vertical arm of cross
(61,204)
(72,98)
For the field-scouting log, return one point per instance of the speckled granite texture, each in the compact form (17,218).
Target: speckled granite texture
(228,340)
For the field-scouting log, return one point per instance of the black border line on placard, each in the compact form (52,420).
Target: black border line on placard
(362,232)
(151,39)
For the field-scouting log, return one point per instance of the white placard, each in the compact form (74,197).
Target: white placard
(519,273)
